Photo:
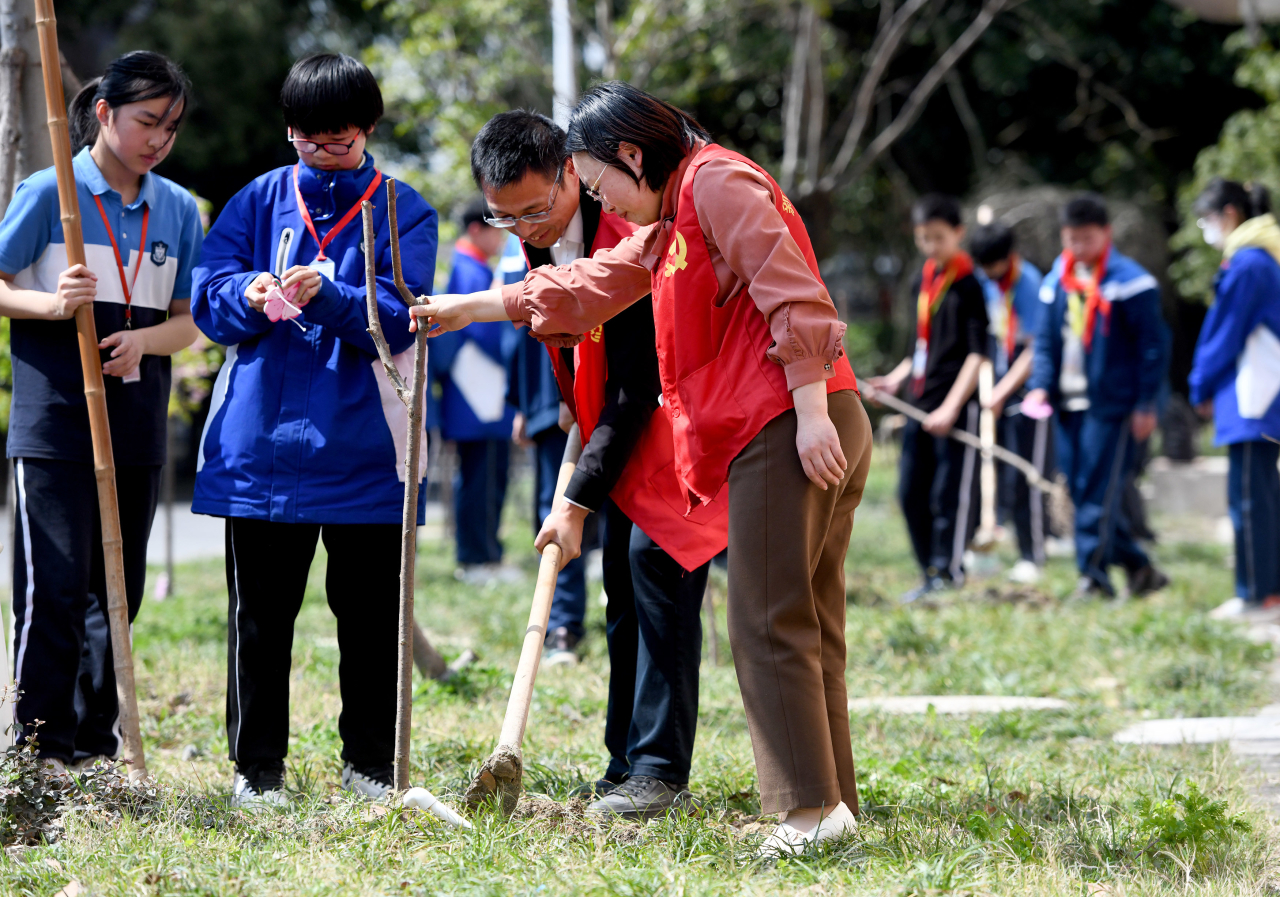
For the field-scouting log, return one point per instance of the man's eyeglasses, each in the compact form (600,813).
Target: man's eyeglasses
(333,149)
(535,217)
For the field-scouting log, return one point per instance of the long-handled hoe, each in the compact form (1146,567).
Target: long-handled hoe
(502,774)
(104,465)
(411,394)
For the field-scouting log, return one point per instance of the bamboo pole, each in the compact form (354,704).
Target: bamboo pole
(104,465)
(985,538)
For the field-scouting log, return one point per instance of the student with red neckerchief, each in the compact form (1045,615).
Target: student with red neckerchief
(938,477)
(1100,357)
(760,398)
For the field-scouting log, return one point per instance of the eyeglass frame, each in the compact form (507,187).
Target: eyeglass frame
(594,190)
(533,217)
(333,149)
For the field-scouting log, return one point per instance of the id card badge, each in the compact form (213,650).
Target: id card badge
(919,359)
(324,266)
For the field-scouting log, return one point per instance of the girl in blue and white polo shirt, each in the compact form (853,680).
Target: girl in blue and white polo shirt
(142,237)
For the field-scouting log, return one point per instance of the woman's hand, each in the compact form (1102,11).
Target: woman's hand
(77,286)
(310,278)
(817,441)
(563,526)
(444,313)
(130,347)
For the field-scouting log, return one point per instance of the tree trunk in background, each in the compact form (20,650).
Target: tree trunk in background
(13,60)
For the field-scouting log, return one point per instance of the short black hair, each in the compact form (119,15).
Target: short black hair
(330,92)
(1250,200)
(936,207)
(474,212)
(613,113)
(991,243)
(512,144)
(1084,209)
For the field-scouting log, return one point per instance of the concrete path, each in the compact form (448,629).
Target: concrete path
(956,705)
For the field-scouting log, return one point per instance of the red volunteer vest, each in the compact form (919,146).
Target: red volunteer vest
(648,491)
(718,384)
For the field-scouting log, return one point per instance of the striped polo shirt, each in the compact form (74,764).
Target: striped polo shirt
(48,417)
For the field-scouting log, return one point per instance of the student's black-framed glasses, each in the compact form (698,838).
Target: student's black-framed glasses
(310,146)
(534,217)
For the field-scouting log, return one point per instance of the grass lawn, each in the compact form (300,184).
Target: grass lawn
(1014,803)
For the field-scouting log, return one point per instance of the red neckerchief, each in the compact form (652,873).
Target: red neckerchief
(933,287)
(471,250)
(1006,285)
(342,222)
(126,285)
(1092,292)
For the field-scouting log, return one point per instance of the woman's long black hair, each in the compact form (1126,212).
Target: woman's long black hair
(615,112)
(1250,200)
(132,78)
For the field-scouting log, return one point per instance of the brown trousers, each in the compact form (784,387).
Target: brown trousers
(787,544)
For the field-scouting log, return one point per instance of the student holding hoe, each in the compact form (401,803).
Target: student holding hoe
(761,398)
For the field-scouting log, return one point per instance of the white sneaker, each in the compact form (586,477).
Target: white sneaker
(1232,607)
(1024,572)
(363,785)
(247,797)
(787,840)
(1241,611)
(80,767)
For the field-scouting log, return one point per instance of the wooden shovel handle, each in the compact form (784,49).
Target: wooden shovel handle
(513,723)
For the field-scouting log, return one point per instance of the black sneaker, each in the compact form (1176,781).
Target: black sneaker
(259,785)
(930,585)
(598,788)
(560,648)
(644,797)
(1146,580)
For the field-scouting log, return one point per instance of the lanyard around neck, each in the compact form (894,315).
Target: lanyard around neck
(342,222)
(126,284)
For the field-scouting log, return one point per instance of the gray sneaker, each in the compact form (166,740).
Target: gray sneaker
(373,784)
(259,786)
(644,797)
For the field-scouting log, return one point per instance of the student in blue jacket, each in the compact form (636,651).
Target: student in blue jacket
(1011,285)
(1236,378)
(471,365)
(305,438)
(1100,357)
(142,236)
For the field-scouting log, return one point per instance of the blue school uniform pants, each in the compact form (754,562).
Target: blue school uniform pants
(1253,500)
(569,604)
(1096,454)
(654,629)
(1019,502)
(479,491)
(938,488)
(61,640)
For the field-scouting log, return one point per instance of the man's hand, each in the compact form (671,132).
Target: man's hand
(77,286)
(886,384)
(565,421)
(444,313)
(1205,409)
(1143,425)
(563,526)
(520,431)
(817,441)
(940,422)
(309,278)
(130,347)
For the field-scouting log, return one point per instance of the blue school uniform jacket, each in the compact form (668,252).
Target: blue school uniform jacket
(304,427)
(1237,360)
(48,418)
(1125,365)
(1026,306)
(471,365)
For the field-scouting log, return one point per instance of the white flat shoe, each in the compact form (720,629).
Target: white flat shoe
(787,840)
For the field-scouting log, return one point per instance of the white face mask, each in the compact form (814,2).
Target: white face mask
(1212,232)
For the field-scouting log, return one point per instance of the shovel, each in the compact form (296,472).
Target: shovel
(502,774)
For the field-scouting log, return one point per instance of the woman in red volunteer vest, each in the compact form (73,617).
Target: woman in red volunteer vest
(761,397)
